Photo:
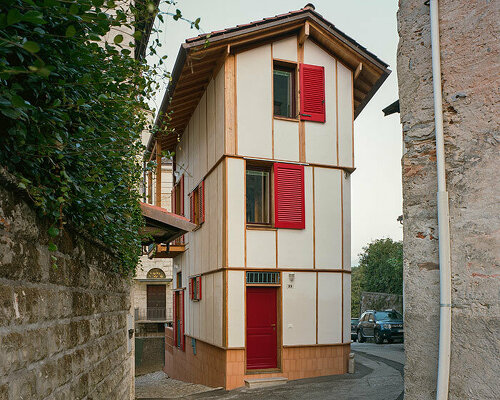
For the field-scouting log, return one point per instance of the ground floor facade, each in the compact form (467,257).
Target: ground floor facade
(250,323)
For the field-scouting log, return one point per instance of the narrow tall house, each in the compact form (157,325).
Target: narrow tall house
(263,137)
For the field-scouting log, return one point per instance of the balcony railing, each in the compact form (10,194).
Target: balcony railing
(160,314)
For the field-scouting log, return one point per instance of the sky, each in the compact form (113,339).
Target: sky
(376,183)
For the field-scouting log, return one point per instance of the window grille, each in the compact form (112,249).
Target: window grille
(263,277)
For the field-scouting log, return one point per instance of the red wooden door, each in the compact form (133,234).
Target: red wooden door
(261,328)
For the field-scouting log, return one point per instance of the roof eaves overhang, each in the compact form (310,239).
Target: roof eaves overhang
(372,76)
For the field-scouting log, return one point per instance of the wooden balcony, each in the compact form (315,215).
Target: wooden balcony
(171,251)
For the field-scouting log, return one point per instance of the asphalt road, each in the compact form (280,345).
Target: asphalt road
(378,376)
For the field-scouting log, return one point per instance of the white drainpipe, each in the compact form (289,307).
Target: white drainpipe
(443,378)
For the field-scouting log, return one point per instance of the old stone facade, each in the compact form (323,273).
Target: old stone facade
(470,63)
(63,330)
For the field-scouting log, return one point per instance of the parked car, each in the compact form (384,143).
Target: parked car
(354,327)
(380,325)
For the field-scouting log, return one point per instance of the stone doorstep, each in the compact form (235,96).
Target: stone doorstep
(264,382)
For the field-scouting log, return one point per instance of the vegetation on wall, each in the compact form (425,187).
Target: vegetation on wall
(72,109)
(380,270)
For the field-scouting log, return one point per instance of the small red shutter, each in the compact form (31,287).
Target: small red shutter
(172,198)
(191,288)
(199,288)
(181,309)
(182,195)
(312,92)
(289,207)
(175,320)
(201,199)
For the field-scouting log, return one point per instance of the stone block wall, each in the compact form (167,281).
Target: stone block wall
(380,301)
(63,330)
(470,63)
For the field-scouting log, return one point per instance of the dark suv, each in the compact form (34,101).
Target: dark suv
(380,325)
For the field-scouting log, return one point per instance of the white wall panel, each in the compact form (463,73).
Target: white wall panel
(202,143)
(207,298)
(261,248)
(321,138)
(286,140)
(220,204)
(329,308)
(347,220)
(295,246)
(217,316)
(299,309)
(254,102)
(286,49)
(328,240)
(219,114)
(347,308)
(345,112)
(236,309)
(236,212)
(211,124)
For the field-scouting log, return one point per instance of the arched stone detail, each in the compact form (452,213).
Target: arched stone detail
(156,273)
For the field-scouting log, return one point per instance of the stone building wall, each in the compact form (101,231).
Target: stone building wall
(470,79)
(63,331)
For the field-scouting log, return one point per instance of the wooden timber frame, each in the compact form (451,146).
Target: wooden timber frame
(200,58)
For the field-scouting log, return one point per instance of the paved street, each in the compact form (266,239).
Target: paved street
(378,376)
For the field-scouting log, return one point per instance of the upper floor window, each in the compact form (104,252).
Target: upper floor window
(284,89)
(258,201)
(197,204)
(281,186)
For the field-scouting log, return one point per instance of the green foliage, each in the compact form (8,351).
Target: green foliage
(72,109)
(380,270)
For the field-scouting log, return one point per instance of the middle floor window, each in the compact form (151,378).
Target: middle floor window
(258,195)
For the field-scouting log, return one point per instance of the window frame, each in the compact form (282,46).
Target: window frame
(196,206)
(268,167)
(293,67)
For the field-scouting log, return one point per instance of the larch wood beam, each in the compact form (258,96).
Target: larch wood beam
(158,174)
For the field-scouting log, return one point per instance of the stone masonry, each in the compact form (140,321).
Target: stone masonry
(470,63)
(63,331)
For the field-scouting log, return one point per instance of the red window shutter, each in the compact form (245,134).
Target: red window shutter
(201,199)
(199,288)
(191,288)
(181,319)
(191,207)
(175,320)
(312,92)
(182,195)
(289,209)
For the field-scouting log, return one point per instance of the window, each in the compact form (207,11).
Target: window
(179,280)
(284,90)
(178,197)
(197,204)
(155,273)
(258,195)
(195,288)
(312,93)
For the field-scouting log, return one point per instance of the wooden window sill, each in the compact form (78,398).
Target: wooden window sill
(286,118)
(260,227)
